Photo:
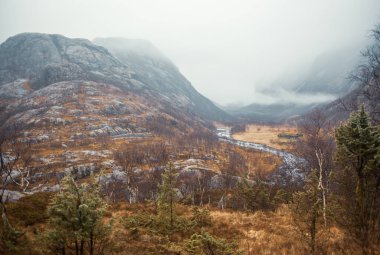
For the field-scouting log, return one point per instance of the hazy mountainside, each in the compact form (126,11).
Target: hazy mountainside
(367,86)
(147,62)
(329,73)
(151,67)
(327,79)
(272,113)
(40,60)
(340,109)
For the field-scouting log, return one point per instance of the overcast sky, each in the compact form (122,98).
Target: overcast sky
(229,50)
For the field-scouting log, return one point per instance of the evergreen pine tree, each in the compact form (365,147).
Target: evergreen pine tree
(306,207)
(255,197)
(204,244)
(201,217)
(167,197)
(75,216)
(358,158)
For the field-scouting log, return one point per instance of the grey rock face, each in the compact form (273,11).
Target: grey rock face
(82,171)
(11,195)
(116,176)
(116,109)
(53,188)
(15,89)
(44,59)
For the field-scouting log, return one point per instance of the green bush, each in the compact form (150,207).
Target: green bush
(139,220)
(201,217)
(10,239)
(204,244)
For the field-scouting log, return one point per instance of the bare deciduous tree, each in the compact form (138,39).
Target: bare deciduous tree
(317,148)
(15,170)
(367,76)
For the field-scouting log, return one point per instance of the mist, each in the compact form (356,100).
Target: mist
(233,52)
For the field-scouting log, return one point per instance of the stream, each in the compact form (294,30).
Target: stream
(289,171)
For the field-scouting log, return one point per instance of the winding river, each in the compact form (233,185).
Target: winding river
(289,171)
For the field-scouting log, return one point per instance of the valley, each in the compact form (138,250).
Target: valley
(107,148)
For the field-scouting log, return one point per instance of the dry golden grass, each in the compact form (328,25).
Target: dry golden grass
(276,233)
(267,135)
(263,232)
(259,162)
(255,233)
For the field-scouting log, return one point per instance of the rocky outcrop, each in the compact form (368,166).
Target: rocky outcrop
(16,89)
(45,59)
(12,195)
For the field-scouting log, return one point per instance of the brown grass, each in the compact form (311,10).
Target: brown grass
(276,233)
(255,233)
(259,162)
(267,135)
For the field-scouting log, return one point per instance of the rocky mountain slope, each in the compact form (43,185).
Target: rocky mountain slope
(44,59)
(368,96)
(73,105)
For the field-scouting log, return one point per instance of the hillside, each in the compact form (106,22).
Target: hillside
(366,92)
(329,72)
(74,106)
(322,83)
(44,59)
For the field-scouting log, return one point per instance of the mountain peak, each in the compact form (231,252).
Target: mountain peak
(44,59)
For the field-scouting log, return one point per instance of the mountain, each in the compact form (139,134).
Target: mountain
(45,59)
(366,83)
(325,80)
(368,96)
(73,104)
(329,73)
(273,113)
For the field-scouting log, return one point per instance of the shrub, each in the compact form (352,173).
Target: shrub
(204,243)
(201,217)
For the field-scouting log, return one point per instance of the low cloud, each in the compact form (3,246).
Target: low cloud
(283,96)
(229,50)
